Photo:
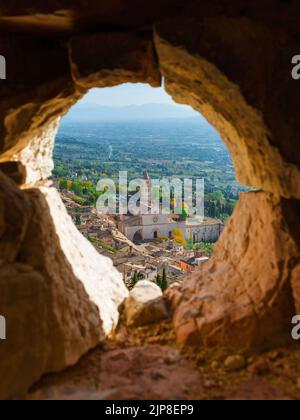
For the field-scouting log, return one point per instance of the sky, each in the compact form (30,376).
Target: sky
(128,101)
(128,94)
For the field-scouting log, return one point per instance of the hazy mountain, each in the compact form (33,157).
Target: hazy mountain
(92,113)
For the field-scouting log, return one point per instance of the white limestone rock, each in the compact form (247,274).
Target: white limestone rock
(145,305)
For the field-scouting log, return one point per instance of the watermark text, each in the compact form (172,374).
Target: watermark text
(296,68)
(2,328)
(296,329)
(151,196)
(2,67)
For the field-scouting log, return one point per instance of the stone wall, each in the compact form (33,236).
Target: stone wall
(229,60)
(59,296)
(242,298)
(236,72)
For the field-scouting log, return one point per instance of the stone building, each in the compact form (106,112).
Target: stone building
(198,230)
(148,227)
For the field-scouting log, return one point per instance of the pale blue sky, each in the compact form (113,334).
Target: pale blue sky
(128,94)
(128,101)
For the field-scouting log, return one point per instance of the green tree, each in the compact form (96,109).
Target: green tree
(77,188)
(158,281)
(205,247)
(63,184)
(190,244)
(134,279)
(78,220)
(165,281)
(184,215)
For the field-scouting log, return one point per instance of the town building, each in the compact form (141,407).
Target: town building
(145,227)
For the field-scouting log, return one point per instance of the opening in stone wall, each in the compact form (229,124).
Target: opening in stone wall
(139,130)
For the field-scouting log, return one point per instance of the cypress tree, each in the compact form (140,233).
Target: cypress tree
(164,282)
(158,281)
(134,280)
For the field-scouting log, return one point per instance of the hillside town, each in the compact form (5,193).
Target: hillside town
(144,247)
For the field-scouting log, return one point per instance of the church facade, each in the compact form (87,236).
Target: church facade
(146,227)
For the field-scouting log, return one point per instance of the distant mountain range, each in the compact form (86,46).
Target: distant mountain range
(91,113)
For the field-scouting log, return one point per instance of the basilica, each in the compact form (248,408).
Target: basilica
(146,227)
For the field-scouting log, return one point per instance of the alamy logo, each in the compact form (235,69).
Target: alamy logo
(2,68)
(151,196)
(296,329)
(2,328)
(296,69)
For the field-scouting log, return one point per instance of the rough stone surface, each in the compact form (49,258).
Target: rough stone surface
(146,371)
(15,171)
(256,389)
(134,60)
(74,264)
(234,363)
(24,302)
(38,90)
(34,100)
(15,213)
(145,304)
(296,288)
(143,372)
(51,276)
(215,65)
(37,156)
(242,298)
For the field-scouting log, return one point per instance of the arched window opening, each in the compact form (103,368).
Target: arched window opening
(135,132)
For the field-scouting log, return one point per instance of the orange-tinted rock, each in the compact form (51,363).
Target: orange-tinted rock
(59,296)
(86,289)
(24,302)
(145,304)
(133,60)
(215,65)
(242,298)
(15,214)
(296,288)
(256,389)
(15,171)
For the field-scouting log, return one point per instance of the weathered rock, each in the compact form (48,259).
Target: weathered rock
(86,289)
(15,171)
(234,363)
(38,90)
(133,60)
(215,65)
(66,286)
(215,365)
(259,368)
(145,305)
(296,288)
(37,156)
(256,389)
(15,213)
(153,372)
(242,298)
(24,302)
